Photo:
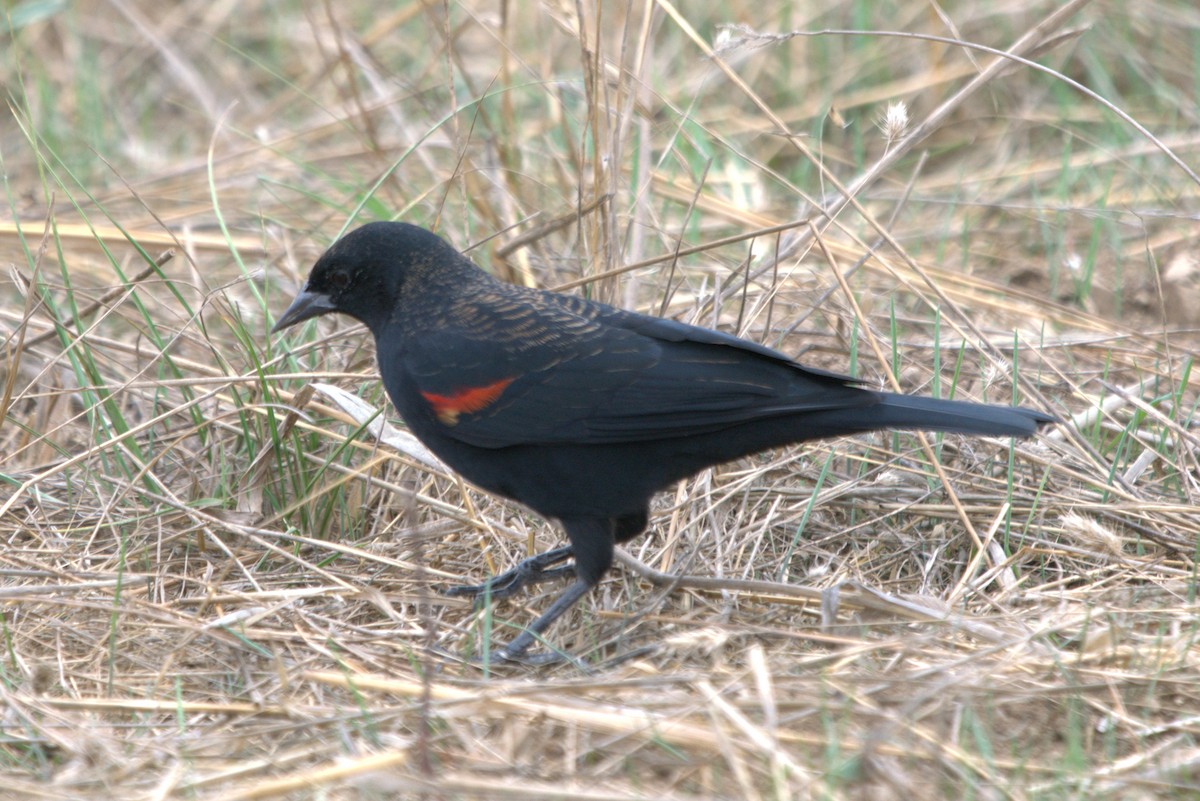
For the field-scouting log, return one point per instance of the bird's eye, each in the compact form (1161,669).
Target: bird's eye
(339,279)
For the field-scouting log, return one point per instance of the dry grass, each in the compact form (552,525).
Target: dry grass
(215,585)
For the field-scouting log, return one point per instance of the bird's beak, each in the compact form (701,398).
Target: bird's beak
(307,304)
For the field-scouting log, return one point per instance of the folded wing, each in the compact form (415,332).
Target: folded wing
(616,377)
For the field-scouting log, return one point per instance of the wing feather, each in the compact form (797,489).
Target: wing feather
(604,376)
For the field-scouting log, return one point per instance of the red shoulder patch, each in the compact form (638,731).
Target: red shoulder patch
(465,400)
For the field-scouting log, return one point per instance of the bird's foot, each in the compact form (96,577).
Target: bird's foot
(533,570)
(507,655)
(536,659)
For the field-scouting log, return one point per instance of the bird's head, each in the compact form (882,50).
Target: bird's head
(367,273)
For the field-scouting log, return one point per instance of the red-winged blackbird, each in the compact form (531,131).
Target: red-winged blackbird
(579,410)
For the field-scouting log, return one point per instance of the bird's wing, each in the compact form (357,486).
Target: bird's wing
(606,377)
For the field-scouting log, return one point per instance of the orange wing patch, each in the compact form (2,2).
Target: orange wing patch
(464,401)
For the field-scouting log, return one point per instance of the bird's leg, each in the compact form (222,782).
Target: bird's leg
(516,651)
(592,546)
(533,570)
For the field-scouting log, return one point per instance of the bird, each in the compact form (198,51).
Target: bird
(579,410)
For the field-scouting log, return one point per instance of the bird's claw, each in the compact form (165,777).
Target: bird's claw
(533,570)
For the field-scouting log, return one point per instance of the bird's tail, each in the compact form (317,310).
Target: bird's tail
(933,414)
(863,411)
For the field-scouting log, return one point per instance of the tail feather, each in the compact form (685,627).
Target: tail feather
(934,414)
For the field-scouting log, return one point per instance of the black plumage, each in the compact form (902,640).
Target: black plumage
(579,410)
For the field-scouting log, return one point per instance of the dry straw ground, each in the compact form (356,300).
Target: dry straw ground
(217,584)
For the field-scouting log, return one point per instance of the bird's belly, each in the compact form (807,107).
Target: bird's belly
(558,481)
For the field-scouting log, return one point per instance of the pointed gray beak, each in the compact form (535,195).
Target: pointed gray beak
(307,304)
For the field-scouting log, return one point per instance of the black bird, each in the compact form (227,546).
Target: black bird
(579,410)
